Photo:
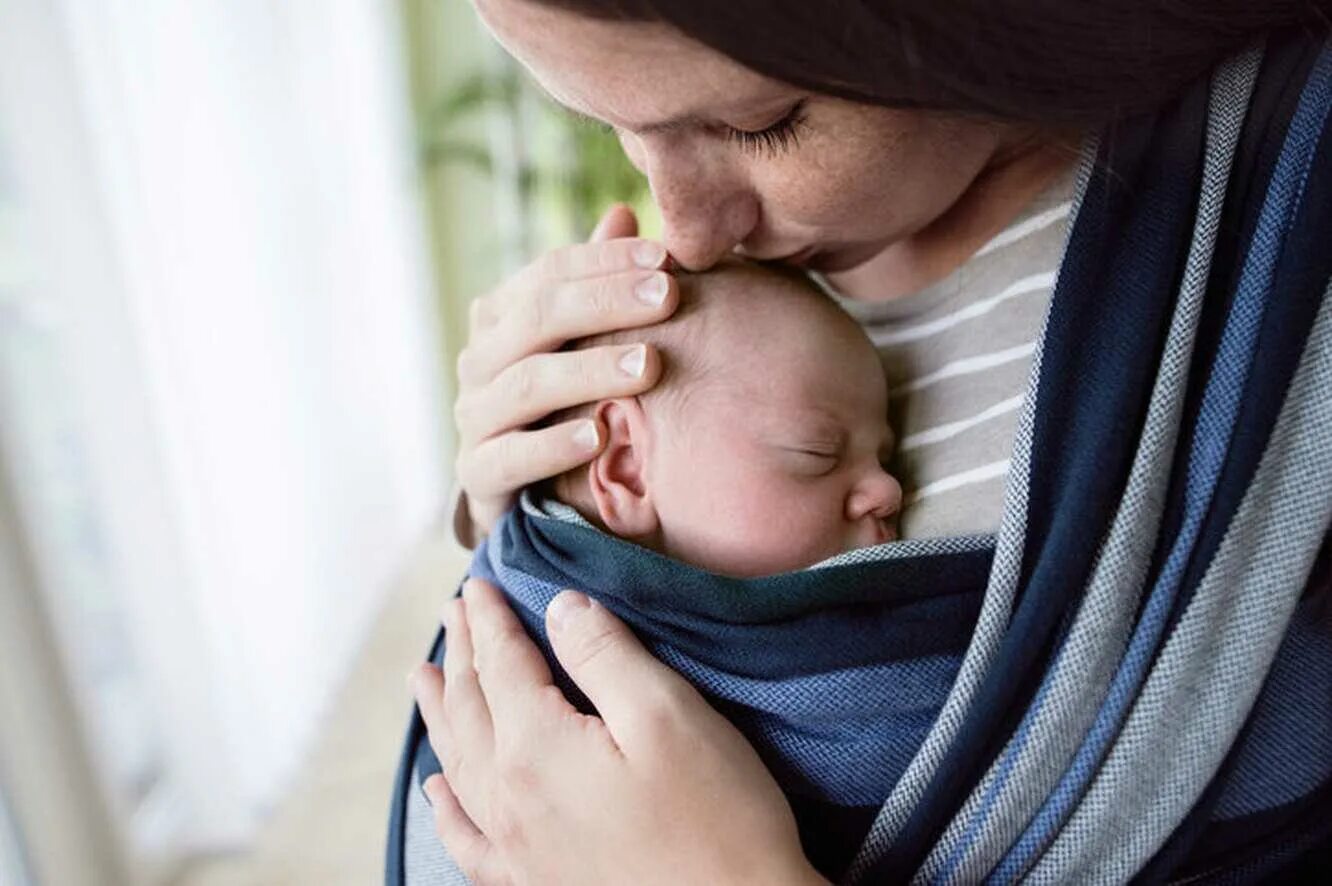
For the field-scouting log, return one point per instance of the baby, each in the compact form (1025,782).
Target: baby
(760,449)
(757,454)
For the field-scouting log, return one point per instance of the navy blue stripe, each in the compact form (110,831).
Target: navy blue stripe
(838,616)
(1103,343)
(1284,70)
(409,762)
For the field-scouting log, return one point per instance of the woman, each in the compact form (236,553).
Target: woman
(921,156)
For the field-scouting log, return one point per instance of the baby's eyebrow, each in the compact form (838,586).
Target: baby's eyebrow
(818,429)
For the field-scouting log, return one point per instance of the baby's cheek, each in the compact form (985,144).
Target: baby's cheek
(772,527)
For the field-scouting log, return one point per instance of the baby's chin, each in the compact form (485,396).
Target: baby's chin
(765,556)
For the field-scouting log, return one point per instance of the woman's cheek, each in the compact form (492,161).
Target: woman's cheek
(813,186)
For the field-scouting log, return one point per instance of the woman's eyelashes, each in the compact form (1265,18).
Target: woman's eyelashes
(772,140)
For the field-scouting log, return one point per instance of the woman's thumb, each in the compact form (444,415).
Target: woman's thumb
(606,660)
(618,221)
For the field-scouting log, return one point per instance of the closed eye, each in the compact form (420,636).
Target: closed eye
(814,461)
(772,140)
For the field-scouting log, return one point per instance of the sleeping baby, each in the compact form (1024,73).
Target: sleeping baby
(734,521)
(760,449)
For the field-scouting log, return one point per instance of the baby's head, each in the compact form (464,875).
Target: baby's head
(759,450)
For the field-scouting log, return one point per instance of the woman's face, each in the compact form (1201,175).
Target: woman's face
(738,161)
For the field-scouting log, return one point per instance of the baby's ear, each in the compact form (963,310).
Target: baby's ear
(618,476)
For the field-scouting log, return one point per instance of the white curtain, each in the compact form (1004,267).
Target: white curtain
(222,398)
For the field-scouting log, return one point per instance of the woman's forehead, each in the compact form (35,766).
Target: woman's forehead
(637,76)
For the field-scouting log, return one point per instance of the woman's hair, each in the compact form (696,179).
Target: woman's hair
(1044,61)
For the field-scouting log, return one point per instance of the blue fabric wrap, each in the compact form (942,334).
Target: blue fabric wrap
(820,669)
(836,674)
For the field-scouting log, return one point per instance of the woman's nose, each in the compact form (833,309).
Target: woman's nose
(878,495)
(705,210)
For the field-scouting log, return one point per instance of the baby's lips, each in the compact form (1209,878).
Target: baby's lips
(890,528)
(885,530)
(874,532)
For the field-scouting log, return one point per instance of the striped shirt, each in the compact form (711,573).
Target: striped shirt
(957,355)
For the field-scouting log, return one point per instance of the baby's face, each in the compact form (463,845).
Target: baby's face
(773,460)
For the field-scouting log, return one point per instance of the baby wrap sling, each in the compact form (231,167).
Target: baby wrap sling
(1133,678)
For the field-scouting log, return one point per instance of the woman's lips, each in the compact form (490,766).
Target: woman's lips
(795,259)
(786,256)
(825,257)
(814,258)
(799,259)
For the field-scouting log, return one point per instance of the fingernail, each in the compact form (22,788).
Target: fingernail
(586,436)
(652,290)
(633,361)
(567,606)
(649,255)
(411,679)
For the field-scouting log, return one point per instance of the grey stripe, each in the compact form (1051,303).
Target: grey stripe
(993,618)
(425,863)
(1005,293)
(1210,671)
(1095,643)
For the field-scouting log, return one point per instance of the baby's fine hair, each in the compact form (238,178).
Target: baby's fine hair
(709,300)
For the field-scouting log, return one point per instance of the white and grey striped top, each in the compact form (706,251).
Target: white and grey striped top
(957,356)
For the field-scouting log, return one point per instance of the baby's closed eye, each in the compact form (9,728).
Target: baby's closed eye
(813,460)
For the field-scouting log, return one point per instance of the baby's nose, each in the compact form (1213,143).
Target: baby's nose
(878,495)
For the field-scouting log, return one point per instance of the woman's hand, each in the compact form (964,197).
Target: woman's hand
(508,376)
(658,789)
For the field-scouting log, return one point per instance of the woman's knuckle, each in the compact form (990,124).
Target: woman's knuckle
(467,366)
(549,705)
(437,745)
(592,646)
(477,474)
(601,302)
(555,264)
(581,372)
(506,827)
(508,464)
(524,381)
(464,408)
(489,642)
(516,773)
(534,318)
(450,761)
(463,469)
(659,723)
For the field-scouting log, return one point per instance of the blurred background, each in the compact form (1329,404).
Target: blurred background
(237,240)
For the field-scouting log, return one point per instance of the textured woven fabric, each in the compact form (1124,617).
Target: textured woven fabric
(1063,709)
(1207,676)
(821,669)
(427,864)
(1217,418)
(1127,249)
(1132,678)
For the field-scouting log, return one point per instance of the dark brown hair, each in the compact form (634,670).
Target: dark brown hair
(1045,61)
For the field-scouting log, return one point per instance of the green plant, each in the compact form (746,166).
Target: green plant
(560,165)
